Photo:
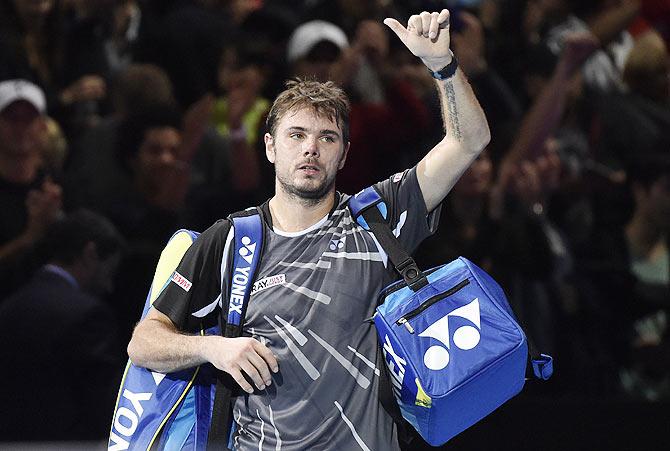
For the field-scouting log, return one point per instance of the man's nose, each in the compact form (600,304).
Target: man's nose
(311,147)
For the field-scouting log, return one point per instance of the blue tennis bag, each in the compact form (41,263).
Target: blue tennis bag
(150,402)
(176,411)
(452,345)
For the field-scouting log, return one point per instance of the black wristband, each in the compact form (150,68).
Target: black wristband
(447,71)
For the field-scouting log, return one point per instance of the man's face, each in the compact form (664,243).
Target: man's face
(307,151)
(159,148)
(21,129)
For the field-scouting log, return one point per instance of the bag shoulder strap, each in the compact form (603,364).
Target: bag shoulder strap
(370,212)
(248,239)
(246,255)
(362,207)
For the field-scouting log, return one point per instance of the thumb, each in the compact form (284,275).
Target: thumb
(397,28)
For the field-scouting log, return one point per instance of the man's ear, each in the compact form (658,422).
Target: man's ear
(269,147)
(340,165)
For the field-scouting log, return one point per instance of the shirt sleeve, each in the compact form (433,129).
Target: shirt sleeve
(410,220)
(193,295)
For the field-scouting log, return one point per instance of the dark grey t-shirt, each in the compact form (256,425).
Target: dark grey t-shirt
(314,290)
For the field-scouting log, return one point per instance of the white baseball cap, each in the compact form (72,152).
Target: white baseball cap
(307,35)
(13,90)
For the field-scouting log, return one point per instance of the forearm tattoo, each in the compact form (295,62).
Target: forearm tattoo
(452,110)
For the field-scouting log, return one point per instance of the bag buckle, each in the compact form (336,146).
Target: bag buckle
(412,275)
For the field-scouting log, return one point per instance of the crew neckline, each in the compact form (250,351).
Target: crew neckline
(267,217)
(318,224)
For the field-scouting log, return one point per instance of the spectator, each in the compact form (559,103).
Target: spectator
(646,235)
(637,122)
(153,150)
(185,38)
(30,199)
(34,46)
(94,173)
(121,42)
(31,43)
(60,348)
(149,148)
(608,22)
(314,48)
(242,108)
(228,163)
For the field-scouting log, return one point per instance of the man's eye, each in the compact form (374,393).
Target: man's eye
(328,139)
(296,135)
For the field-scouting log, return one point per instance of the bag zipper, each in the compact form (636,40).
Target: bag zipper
(438,297)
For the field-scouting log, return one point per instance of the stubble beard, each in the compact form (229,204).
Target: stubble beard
(307,197)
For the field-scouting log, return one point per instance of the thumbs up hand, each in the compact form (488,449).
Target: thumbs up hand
(426,36)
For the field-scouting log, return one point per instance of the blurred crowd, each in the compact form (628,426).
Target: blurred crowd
(122,121)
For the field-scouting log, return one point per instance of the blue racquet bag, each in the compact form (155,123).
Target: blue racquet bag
(188,409)
(453,348)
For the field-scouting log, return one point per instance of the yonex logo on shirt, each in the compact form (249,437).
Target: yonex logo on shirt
(465,337)
(247,252)
(337,244)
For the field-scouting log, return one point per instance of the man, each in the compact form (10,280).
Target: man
(311,354)
(60,345)
(30,200)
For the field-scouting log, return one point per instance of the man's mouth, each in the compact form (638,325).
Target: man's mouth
(309,168)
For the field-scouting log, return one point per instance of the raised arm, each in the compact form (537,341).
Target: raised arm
(466,130)
(544,116)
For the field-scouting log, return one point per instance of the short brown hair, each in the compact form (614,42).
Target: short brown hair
(326,99)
